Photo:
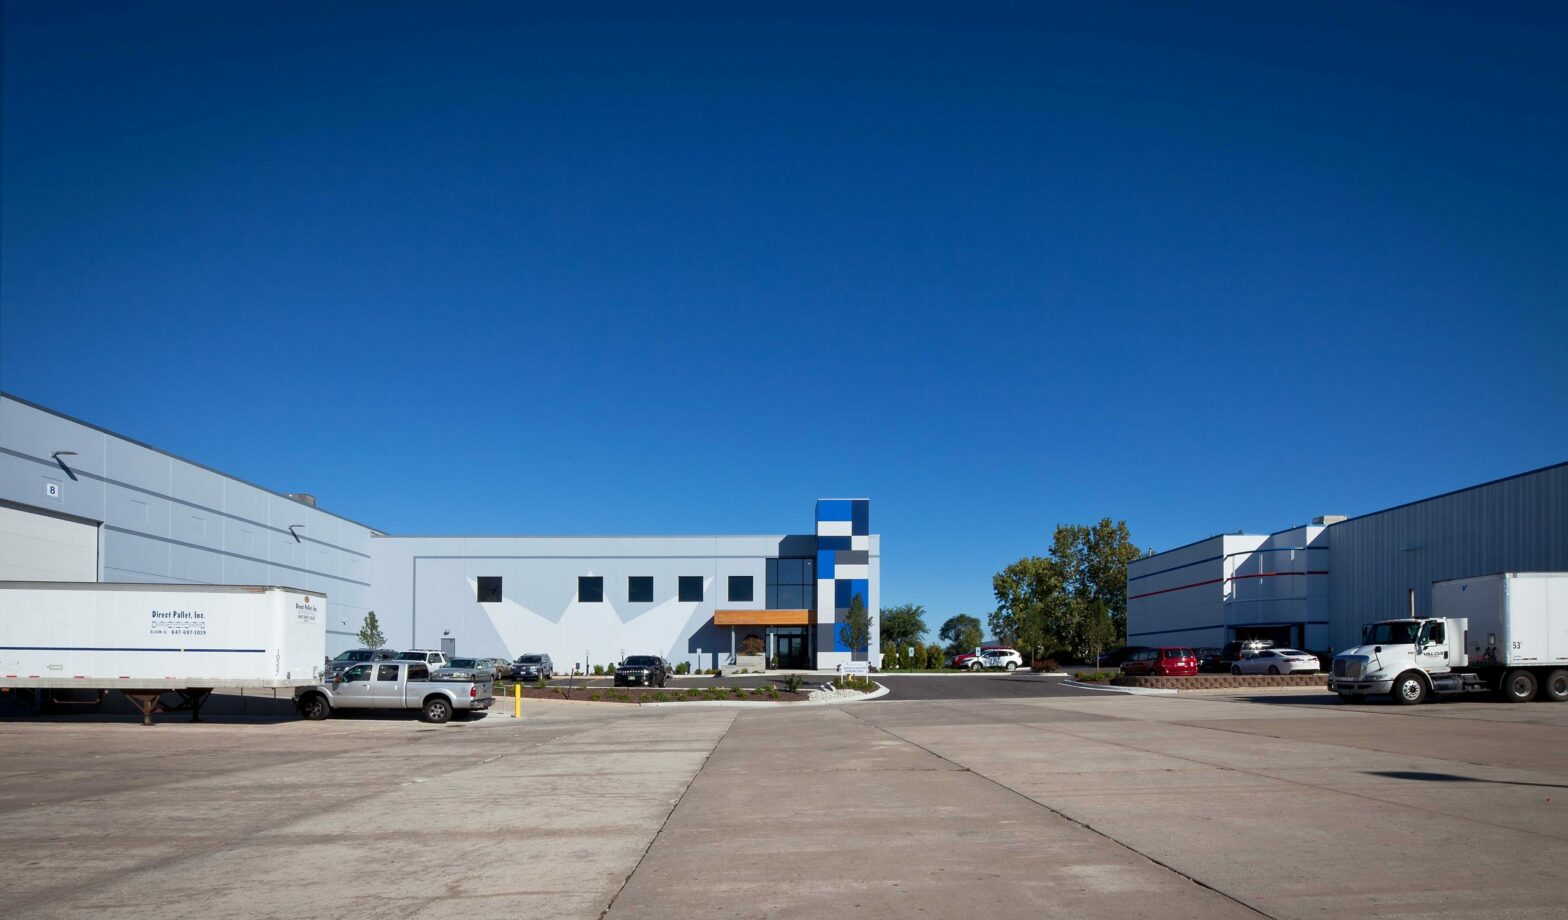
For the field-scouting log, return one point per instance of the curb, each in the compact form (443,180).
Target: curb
(1131,691)
(881,691)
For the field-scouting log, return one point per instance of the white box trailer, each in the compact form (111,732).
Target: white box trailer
(149,639)
(1516,619)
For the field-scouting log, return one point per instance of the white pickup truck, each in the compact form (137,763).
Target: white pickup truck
(396,685)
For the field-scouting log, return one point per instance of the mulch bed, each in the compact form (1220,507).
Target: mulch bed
(559,691)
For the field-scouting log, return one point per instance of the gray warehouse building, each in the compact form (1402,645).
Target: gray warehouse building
(1315,585)
(81,503)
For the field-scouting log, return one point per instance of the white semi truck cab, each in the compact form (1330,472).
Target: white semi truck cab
(1512,639)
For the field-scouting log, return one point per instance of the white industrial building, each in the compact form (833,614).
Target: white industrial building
(84,504)
(1314,586)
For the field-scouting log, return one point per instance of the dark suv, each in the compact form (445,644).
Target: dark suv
(355,656)
(532,667)
(642,671)
(1232,653)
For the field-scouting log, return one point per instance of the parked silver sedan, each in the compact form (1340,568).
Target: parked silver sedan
(1278,661)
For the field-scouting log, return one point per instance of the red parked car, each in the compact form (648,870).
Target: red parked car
(1161,662)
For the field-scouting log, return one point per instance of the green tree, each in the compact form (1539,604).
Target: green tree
(934,655)
(855,631)
(903,625)
(370,634)
(1073,598)
(961,633)
(1028,604)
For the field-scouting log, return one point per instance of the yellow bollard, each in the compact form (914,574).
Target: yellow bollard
(517,701)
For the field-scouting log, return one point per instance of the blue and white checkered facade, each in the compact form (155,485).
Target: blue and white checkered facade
(844,569)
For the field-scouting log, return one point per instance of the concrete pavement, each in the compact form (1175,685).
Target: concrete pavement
(1066,805)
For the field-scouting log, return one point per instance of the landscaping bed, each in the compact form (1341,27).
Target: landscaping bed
(655,694)
(772,693)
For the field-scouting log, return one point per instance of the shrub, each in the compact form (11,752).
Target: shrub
(935,657)
(541,684)
(773,662)
(661,697)
(683,668)
(792,683)
(598,670)
(594,697)
(852,682)
(773,693)
(1044,664)
(1095,676)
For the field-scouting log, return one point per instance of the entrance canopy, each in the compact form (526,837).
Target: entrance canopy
(764,617)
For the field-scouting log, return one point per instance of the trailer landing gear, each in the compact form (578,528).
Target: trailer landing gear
(150,701)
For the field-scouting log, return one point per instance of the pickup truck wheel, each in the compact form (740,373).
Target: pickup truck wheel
(315,707)
(1409,689)
(437,710)
(1554,689)
(1519,686)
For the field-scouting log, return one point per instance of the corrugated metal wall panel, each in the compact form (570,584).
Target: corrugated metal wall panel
(1514,525)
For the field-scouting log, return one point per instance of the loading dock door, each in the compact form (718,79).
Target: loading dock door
(37,547)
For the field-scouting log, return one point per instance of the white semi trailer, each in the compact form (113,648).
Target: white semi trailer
(1506,633)
(148,640)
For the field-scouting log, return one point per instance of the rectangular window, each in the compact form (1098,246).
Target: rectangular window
(386,672)
(590,589)
(639,589)
(740,588)
(489,589)
(690,589)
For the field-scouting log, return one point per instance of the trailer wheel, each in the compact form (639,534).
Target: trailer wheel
(315,707)
(1409,689)
(438,709)
(1554,689)
(1519,686)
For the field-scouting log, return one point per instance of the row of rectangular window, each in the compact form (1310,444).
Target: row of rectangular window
(639,589)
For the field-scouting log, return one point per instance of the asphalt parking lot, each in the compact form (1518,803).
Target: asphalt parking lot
(1065,804)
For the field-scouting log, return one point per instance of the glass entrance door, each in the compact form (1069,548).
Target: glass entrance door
(791,650)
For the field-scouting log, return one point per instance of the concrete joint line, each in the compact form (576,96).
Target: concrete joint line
(667,816)
(1286,780)
(1088,827)
(36,900)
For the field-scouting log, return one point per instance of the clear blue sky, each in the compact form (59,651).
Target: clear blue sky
(500,268)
